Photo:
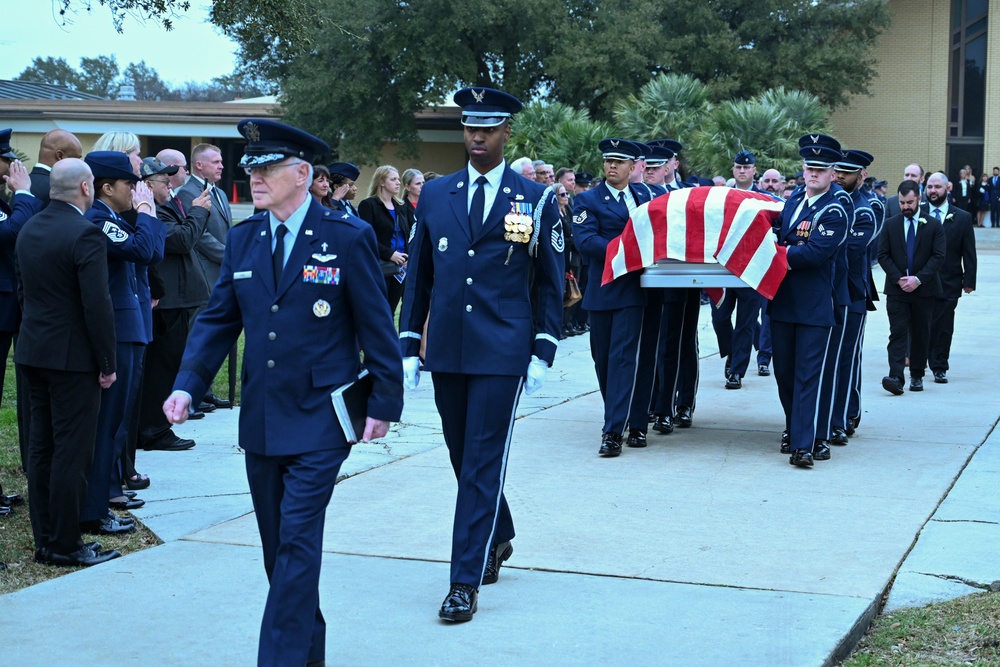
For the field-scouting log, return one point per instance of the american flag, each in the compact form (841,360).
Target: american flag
(705,225)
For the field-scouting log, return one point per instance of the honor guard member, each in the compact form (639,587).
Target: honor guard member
(302,282)
(656,169)
(813,225)
(736,343)
(616,309)
(847,392)
(677,356)
(117,190)
(481,233)
(638,177)
(344,186)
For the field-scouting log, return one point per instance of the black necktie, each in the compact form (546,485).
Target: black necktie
(278,258)
(478,207)
(911,244)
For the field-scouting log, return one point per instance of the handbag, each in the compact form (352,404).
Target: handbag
(571,294)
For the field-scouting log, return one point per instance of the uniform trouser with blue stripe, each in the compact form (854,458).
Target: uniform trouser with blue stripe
(290,495)
(854,399)
(614,345)
(848,384)
(477,417)
(832,374)
(799,356)
(746,302)
(646,364)
(116,404)
(678,356)
(764,335)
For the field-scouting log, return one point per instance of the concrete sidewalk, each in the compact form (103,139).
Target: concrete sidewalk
(705,548)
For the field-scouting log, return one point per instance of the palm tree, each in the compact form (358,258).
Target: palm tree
(739,125)
(804,110)
(574,144)
(531,127)
(669,106)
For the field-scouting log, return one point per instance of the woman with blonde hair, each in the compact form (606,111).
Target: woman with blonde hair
(122,142)
(385,211)
(413,183)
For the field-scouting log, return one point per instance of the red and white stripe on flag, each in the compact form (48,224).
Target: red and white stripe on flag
(704,225)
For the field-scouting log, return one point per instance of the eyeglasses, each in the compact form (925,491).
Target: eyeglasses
(564,194)
(268,169)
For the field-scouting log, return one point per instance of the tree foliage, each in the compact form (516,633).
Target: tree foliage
(162,11)
(558,134)
(669,106)
(101,76)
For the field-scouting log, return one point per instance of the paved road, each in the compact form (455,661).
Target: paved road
(706,548)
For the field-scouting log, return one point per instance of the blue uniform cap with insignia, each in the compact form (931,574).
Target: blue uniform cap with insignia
(5,149)
(270,142)
(853,160)
(671,144)
(345,169)
(658,156)
(486,107)
(584,178)
(619,149)
(151,166)
(111,165)
(744,158)
(881,184)
(819,151)
(643,149)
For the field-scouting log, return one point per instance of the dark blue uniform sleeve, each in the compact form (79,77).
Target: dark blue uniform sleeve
(416,291)
(550,281)
(24,206)
(143,246)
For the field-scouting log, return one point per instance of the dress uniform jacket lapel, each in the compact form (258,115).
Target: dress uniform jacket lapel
(460,203)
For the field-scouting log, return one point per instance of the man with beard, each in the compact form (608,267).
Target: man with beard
(957,272)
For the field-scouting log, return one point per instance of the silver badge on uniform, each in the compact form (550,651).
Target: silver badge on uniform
(518,197)
(321,308)
(443,244)
(461,184)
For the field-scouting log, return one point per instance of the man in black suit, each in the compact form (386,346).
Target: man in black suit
(994,192)
(910,251)
(957,273)
(67,353)
(56,145)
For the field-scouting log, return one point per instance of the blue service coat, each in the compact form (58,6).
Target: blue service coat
(478,287)
(813,238)
(598,218)
(859,242)
(302,340)
(12,219)
(126,248)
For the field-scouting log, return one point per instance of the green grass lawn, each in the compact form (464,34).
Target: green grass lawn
(16,541)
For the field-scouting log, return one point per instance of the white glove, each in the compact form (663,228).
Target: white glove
(536,375)
(411,372)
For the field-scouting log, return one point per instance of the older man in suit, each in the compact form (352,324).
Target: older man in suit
(304,285)
(482,232)
(67,353)
(616,309)
(911,249)
(957,272)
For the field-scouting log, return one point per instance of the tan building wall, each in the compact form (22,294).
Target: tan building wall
(905,120)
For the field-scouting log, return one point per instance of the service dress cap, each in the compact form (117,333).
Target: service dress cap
(5,149)
(486,107)
(345,169)
(744,158)
(619,149)
(111,165)
(270,142)
(854,160)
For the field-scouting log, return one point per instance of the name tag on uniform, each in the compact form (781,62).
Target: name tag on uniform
(242,275)
(321,275)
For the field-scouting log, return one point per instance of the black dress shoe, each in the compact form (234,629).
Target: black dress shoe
(498,554)
(123,520)
(763,370)
(460,604)
(821,451)
(852,425)
(82,557)
(940,377)
(650,418)
(169,442)
(106,526)
(786,442)
(205,407)
(636,438)
(611,445)
(893,385)
(124,505)
(683,417)
(734,382)
(839,437)
(801,458)
(220,403)
(12,500)
(728,367)
(916,384)
(664,425)
(196,414)
(6,511)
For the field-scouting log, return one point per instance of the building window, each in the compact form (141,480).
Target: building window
(967,84)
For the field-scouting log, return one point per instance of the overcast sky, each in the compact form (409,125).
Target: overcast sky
(193,51)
